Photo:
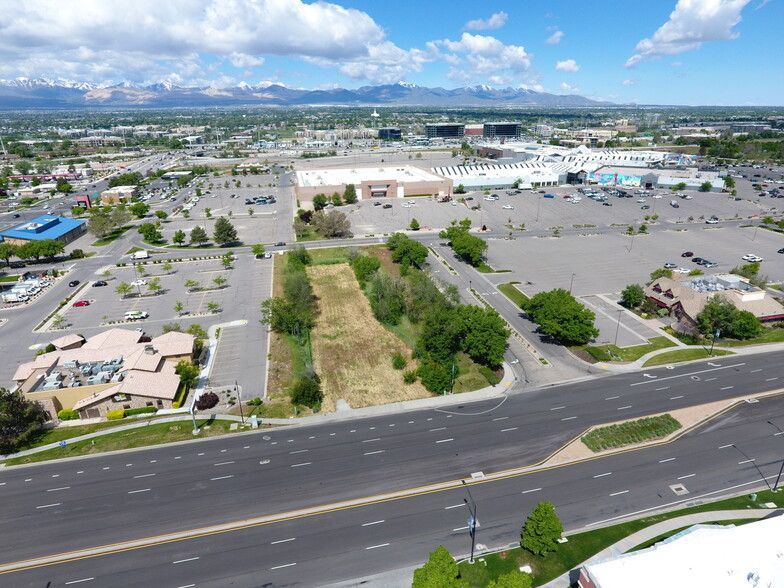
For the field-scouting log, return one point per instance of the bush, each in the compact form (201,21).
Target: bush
(114,415)
(398,361)
(307,392)
(489,375)
(409,377)
(142,410)
(49,348)
(255,402)
(207,401)
(77,254)
(175,404)
(68,415)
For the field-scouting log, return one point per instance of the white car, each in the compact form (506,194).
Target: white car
(657,196)
(751,257)
(508,207)
(139,283)
(681,270)
(406,205)
(712,221)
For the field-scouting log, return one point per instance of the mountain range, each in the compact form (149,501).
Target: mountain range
(26,93)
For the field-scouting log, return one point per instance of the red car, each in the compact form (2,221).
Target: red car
(82,303)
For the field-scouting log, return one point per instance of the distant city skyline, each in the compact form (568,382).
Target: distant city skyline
(688,52)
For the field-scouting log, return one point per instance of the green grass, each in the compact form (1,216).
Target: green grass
(9,279)
(683,355)
(583,546)
(770,335)
(631,432)
(47,436)
(153,434)
(329,255)
(600,353)
(113,236)
(513,293)
(484,268)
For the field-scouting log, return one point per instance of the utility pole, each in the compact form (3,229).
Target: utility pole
(471,521)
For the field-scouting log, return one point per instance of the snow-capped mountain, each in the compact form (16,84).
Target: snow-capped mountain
(26,93)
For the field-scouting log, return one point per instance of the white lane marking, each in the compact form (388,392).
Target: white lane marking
(602,475)
(509,429)
(296,465)
(153,461)
(454,506)
(771,379)
(666,460)
(331,435)
(709,379)
(373,452)
(725,446)
(56,476)
(624,407)
(49,505)
(80,472)
(178,457)
(179,561)
(223,450)
(725,367)
(290,441)
(662,388)
(371,428)
(689,476)
(371,440)
(187,586)
(53,489)
(29,480)
(201,453)
(445,441)
(248,446)
(500,418)
(377,546)
(745,461)
(353,431)
(223,463)
(373,523)
(757,370)
(676,397)
(312,437)
(779,433)
(79,581)
(612,397)
(284,566)
(299,451)
(137,491)
(392,424)
(438,429)
(531,490)
(143,476)
(568,418)
(460,529)
(283,540)
(106,468)
(619,493)
(727,388)
(410,422)
(221,478)
(3,484)
(558,408)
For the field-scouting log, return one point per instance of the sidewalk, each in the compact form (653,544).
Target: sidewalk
(654,531)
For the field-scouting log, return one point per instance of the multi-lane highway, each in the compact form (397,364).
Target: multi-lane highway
(80,504)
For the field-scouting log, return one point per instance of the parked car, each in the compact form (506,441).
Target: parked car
(670,265)
(99,283)
(508,207)
(387,206)
(606,203)
(377,203)
(644,207)
(280,244)
(687,254)
(709,264)
(751,257)
(681,270)
(73,283)
(549,196)
(82,303)
(712,221)
(780,250)
(697,260)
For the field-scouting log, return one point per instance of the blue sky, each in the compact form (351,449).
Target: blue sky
(692,52)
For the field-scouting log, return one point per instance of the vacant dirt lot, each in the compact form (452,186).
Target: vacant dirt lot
(352,352)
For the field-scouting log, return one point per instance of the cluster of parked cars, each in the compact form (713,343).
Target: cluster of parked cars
(260,200)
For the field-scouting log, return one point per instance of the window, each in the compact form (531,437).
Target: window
(149,403)
(126,406)
(160,403)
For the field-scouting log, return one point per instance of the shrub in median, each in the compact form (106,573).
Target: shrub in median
(638,431)
(114,415)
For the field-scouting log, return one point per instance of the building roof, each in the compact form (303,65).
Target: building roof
(67,340)
(357,175)
(112,338)
(43,227)
(162,384)
(703,555)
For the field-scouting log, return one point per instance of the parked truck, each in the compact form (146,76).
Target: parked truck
(143,254)
(14,297)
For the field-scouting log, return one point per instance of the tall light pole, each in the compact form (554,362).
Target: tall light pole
(471,521)
(571,283)
(781,469)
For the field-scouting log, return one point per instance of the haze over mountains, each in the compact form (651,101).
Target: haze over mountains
(26,93)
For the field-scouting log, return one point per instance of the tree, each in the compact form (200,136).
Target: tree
(124,289)
(188,372)
(414,226)
(632,296)
(484,334)
(7,251)
(729,182)
(336,199)
(19,420)
(440,571)
(198,236)
(100,224)
(560,315)
(154,285)
(706,187)
(208,212)
(139,209)
(332,223)
(226,259)
(49,248)
(460,189)
(150,233)
(364,267)
(219,281)
(307,392)
(192,285)
(258,250)
(178,307)
(679,186)
(350,194)
(161,215)
(513,579)
(387,298)
(179,237)
(542,530)
(167,267)
(224,232)
(661,273)
(406,251)
(213,307)
(721,314)
(250,212)
(77,211)
(319,201)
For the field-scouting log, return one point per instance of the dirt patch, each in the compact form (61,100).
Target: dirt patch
(384,256)
(352,351)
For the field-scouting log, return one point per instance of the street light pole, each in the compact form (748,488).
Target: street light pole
(781,469)
(471,521)
(571,283)
(618,328)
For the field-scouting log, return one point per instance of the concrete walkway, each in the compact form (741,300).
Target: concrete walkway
(648,533)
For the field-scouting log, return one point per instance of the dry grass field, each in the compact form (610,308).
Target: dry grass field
(352,351)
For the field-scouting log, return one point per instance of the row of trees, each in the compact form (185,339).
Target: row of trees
(223,233)
(46,248)
(349,196)
(330,224)
(470,247)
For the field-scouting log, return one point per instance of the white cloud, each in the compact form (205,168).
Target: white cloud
(478,57)
(496,21)
(692,23)
(569,89)
(568,65)
(555,38)
(676,64)
(147,40)
(631,82)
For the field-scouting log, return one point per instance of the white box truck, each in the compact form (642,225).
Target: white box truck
(140,255)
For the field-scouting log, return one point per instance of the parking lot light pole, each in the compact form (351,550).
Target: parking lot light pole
(571,283)
(618,328)
(781,469)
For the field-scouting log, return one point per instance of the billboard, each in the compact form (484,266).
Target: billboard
(629,180)
(600,178)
